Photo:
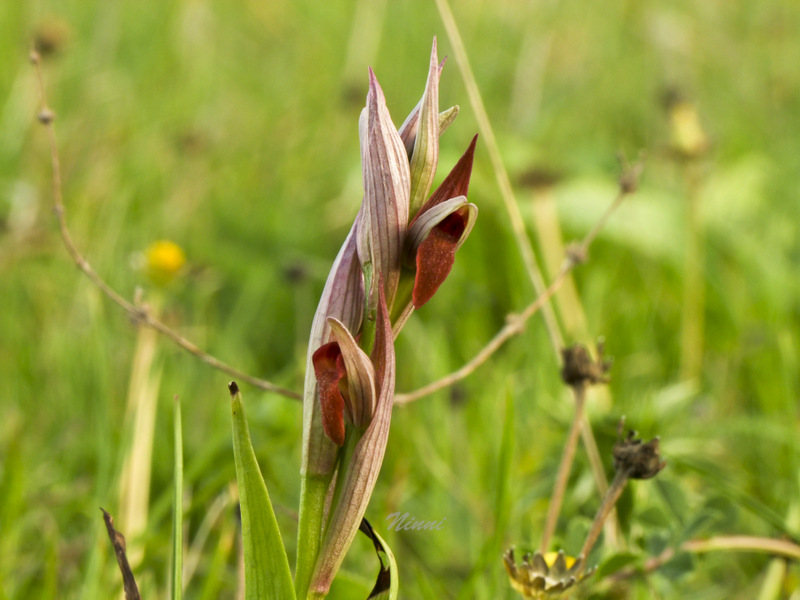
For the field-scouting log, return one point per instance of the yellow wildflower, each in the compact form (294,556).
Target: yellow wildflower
(164,261)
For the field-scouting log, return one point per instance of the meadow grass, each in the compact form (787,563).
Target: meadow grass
(231,129)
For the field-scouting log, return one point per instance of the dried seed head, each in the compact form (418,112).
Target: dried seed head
(639,460)
(580,369)
(46,116)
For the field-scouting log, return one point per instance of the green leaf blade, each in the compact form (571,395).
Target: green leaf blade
(267,573)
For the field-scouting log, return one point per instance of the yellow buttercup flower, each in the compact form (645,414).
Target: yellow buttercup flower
(542,576)
(164,261)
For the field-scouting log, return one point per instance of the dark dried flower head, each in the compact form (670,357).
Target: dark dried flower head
(544,575)
(580,369)
(639,460)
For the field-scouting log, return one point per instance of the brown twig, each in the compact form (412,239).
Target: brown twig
(579,371)
(564,468)
(576,254)
(138,314)
(732,543)
(609,500)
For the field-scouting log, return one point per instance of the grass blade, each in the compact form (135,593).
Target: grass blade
(267,574)
(176,576)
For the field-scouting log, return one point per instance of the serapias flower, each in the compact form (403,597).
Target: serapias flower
(542,576)
(370,385)
(398,252)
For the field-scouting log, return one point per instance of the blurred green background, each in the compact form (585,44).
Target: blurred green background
(230,128)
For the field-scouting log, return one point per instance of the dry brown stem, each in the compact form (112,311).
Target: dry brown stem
(139,314)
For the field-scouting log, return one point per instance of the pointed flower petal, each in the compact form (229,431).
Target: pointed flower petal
(455,184)
(386,194)
(425,157)
(408,130)
(439,229)
(365,464)
(360,394)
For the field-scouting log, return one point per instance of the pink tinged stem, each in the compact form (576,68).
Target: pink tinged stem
(362,471)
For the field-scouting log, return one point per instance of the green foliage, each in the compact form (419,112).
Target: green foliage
(231,129)
(266,566)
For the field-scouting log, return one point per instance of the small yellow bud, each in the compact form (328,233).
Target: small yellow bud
(687,136)
(164,260)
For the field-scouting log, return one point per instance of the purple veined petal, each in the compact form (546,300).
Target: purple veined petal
(365,464)
(386,194)
(425,156)
(360,375)
(343,298)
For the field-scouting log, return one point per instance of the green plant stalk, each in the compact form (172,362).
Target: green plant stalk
(176,574)
(773,580)
(313,490)
(351,438)
(692,317)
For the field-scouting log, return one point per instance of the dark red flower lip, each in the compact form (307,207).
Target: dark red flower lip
(330,371)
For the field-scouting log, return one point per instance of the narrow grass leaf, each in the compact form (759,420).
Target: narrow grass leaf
(267,575)
(176,576)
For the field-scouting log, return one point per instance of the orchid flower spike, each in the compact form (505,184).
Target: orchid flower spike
(399,251)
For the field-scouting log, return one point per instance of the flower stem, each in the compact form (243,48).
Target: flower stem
(609,500)
(564,468)
(313,489)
